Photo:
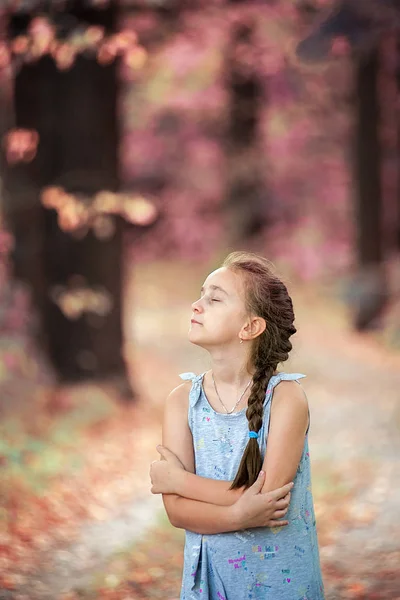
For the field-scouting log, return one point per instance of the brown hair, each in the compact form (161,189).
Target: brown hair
(266,296)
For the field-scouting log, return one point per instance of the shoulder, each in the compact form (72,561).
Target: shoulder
(178,398)
(290,396)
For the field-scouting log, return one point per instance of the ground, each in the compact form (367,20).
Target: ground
(77,516)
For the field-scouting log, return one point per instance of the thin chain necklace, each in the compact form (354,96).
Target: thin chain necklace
(229,412)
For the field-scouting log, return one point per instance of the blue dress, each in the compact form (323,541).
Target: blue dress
(256,563)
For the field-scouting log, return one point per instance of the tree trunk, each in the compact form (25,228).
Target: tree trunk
(75,114)
(397,227)
(247,199)
(371,289)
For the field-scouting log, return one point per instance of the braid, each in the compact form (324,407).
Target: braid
(267,297)
(251,462)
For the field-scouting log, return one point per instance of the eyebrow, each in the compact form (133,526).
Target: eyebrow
(215,288)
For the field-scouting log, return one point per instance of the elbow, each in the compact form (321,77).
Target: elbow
(176,523)
(174,519)
(170,504)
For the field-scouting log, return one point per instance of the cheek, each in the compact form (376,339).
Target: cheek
(227,320)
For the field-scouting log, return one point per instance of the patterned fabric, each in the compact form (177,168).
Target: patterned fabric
(279,563)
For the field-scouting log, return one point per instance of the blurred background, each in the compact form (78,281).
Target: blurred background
(141,141)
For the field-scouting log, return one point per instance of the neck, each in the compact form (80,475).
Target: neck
(231,368)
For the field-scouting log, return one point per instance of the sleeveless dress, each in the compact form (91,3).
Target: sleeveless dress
(256,563)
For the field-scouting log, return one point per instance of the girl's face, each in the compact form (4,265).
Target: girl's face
(220,313)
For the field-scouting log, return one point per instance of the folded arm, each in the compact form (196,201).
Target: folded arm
(204,489)
(202,517)
(287,429)
(288,424)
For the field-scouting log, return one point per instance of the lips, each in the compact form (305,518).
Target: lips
(194,321)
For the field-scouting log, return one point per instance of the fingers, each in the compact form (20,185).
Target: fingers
(257,485)
(282,503)
(278,514)
(274,523)
(163,451)
(282,491)
(168,455)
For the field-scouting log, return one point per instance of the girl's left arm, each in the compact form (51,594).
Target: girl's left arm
(286,437)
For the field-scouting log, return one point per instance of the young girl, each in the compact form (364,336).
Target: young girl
(234,438)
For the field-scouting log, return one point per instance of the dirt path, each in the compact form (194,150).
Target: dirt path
(353,386)
(353,390)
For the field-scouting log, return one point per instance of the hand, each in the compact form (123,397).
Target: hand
(165,473)
(254,509)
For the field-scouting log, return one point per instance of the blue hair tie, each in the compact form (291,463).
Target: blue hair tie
(253,434)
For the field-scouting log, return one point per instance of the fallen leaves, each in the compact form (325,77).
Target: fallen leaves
(77,455)
(80,464)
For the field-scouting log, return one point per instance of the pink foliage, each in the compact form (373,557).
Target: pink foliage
(304,183)
(174,114)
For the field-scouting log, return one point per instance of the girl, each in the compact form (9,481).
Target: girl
(230,453)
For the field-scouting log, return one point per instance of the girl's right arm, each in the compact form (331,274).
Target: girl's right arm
(176,435)
(252,509)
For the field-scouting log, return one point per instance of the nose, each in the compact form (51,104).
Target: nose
(197,306)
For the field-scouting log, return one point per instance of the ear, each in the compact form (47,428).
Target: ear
(253,328)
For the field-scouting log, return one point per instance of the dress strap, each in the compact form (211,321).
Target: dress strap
(195,390)
(275,379)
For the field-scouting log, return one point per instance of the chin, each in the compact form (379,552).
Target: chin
(196,339)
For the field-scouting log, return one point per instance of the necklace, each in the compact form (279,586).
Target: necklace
(229,412)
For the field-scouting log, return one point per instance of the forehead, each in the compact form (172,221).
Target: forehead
(225,278)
